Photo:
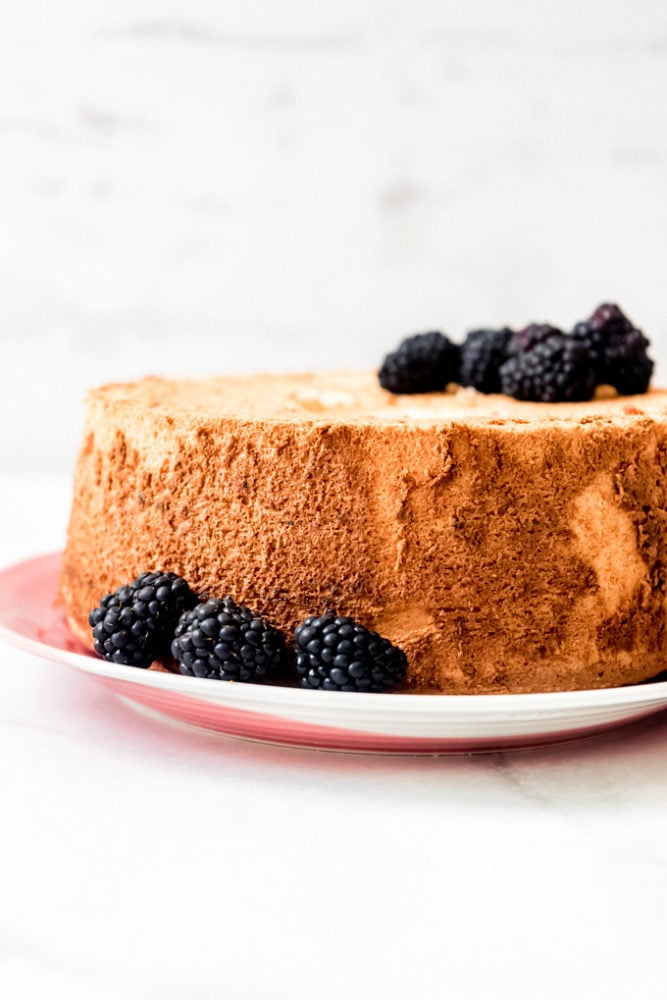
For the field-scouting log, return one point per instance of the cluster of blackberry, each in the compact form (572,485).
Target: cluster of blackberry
(158,614)
(539,363)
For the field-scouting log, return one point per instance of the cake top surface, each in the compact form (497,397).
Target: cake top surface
(356,396)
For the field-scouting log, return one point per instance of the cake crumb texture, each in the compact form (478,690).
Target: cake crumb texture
(504,546)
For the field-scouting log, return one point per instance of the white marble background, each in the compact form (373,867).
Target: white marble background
(208,186)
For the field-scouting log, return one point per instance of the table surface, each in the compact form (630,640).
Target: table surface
(143,861)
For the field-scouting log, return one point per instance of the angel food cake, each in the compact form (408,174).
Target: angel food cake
(503,545)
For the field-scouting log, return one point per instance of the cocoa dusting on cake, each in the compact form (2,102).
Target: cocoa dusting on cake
(504,545)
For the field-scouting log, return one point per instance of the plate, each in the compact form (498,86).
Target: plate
(322,720)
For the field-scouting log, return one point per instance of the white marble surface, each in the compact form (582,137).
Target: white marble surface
(206,187)
(144,862)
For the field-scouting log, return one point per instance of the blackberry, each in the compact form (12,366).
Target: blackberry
(423,363)
(227,641)
(617,349)
(531,336)
(482,354)
(134,625)
(594,342)
(336,654)
(553,371)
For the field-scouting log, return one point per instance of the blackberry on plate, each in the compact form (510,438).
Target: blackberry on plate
(553,371)
(226,641)
(482,354)
(334,653)
(617,348)
(423,363)
(134,625)
(531,336)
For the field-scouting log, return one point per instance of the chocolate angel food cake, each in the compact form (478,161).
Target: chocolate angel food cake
(507,534)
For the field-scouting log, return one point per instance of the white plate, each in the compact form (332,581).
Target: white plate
(323,720)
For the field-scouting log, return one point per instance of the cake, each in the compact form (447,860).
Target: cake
(505,546)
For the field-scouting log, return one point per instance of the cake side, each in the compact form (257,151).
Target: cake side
(518,554)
